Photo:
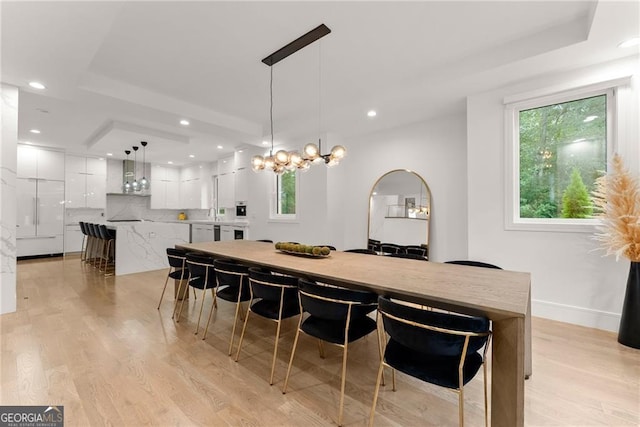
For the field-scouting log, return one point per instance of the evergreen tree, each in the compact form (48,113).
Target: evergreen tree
(576,202)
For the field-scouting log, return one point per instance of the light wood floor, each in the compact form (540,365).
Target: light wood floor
(99,347)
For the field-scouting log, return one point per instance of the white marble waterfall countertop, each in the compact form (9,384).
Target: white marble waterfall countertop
(142,245)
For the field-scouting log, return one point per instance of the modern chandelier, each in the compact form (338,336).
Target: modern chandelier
(282,160)
(126,187)
(135,186)
(144,182)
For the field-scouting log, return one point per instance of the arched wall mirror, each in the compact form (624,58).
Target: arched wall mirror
(400,209)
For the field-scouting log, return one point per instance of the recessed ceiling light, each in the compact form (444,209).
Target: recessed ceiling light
(371,113)
(220,147)
(100,158)
(192,156)
(109,154)
(590,119)
(634,41)
(184,122)
(37,85)
(265,142)
(34,131)
(169,162)
(239,151)
(28,142)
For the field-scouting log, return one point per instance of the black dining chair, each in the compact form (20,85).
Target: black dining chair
(232,284)
(408,256)
(201,276)
(417,250)
(373,245)
(362,251)
(391,248)
(274,297)
(335,315)
(444,349)
(177,270)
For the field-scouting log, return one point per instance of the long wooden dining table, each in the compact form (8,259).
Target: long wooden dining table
(502,296)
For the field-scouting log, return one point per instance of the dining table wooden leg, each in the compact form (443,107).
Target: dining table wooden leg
(507,372)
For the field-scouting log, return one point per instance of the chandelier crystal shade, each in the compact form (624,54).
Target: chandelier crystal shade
(135,185)
(282,161)
(126,187)
(144,182)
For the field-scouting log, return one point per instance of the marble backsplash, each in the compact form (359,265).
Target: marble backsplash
(123,207)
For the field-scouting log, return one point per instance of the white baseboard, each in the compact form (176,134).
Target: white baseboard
(577,315)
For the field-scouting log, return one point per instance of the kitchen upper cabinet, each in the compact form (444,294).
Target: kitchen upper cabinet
(226,165)
(34,162)
(165,187)
(115,176)
(226,190)
(190,185)
(241,185)
(85,182)
(242,159)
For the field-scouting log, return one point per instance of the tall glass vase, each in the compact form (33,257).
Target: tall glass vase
(629,332)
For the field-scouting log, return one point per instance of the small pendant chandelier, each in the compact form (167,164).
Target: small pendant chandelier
(134,185)
(283,161)
(126,187)
(144,182)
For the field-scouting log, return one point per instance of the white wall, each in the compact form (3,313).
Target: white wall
(435,150)
(570,281)
(334,202)
(8,160)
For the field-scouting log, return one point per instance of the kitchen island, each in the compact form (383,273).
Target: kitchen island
(142,245)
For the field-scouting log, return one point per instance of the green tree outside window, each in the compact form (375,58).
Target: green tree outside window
(554,141)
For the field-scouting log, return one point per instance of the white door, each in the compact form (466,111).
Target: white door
(26,201)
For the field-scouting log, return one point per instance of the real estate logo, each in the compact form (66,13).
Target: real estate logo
(31,416)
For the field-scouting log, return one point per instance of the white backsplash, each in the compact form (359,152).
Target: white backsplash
(129,208)
(136,207)
(74,216)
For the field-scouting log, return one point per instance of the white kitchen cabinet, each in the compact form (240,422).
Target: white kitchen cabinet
(34,162)
(39,217)
(202,233)
(242,159)
(85,182)
(226,233)
(115,176)
(165,187)
(241,181)
(226,190)
(72,238)
(226,165)
(190,188)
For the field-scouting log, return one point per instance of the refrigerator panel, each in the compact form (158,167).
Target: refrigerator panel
(50,215)
(26,209)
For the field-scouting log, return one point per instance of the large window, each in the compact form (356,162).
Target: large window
(560,146)
(285,196)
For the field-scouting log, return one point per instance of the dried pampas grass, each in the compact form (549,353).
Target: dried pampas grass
(617,199)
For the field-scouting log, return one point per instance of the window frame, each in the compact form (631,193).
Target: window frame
(513,107)
(274,203)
